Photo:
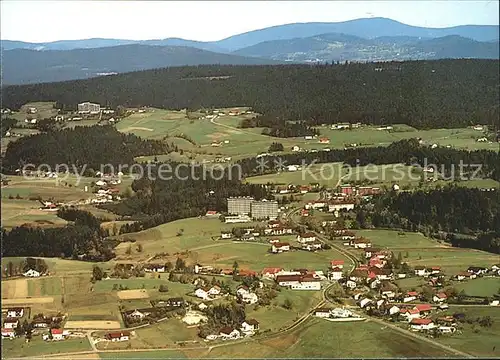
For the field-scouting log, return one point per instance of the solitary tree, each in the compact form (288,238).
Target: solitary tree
(97,273)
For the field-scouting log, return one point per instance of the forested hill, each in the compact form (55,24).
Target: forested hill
(423,94)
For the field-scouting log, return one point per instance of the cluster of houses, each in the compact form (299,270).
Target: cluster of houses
(337,313)
(13,317)
(247,328)
(11,321)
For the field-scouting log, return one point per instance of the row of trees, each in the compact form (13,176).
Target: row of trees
(423,94)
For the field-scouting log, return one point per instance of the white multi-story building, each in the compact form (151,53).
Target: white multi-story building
(265,209)
(89,108)
(240,205)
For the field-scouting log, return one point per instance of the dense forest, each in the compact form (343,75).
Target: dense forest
(82,146)
(451,210)
(423,94)
(274,126)
(190,194)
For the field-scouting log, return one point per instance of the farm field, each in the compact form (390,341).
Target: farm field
(475,339)
(37,347)
(196,232)
(158,354)
(392,240)
(451,260)
(480,287)
(255,256)
(320,339)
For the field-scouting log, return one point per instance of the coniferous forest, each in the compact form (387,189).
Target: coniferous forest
(423,94)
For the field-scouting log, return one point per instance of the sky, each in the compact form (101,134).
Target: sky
(44,21)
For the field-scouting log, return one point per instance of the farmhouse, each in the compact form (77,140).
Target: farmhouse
(421,271)
(226,235)
(410,314)
(249,326)
(316,245)
(57,334)
(465,275)
(370,251)
(322,313)
(340,205)
(337,264)
(393,310)
(364,302)
(137,314)
(361,243)
(32,273)
(410,296)
(299,282)
(271,273)
(228,333)
(10,323)
(422,324)
(118,336)
(15,312)
(423,308)
(174,302)
(477,270)
(154,268)
(306,237)
(341,313)
(336,274)
(280,247)
(8,333)
(439,297)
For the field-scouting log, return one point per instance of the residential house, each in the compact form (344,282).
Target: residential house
(350,284)
(32,273)
(376,262)
(8,333)
(250,298)
(393,310)
(434,270)
(422,324)
(364,302)
(10,323)
(340,205)
(341,313)
(41,323)
(270,273)
(273,224)
(249,326)
(410,314)
(154,268)
(324,140)
(465,275)
(336,274)
(388,294)
(306,237)
(57,334)
(369,252)
(339,264)
(137,314)
(439,297)
(358,275)
(298,282)
(175,302)
(446,329)
(226,235)
(312,246)
(228,333)
(118,336)
(280,247)
(322,313)
(410,296)
(424,309)
(380,274)
(15,312)
(304,212)
(214,290)
(361,243)
(477,270)
(202,294)
(421,271)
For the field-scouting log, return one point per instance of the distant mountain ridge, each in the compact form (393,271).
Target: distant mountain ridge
(340,47)
(368,28)
(21,66)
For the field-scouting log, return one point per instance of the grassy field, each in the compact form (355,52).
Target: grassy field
(158,354)
(480,287)
(256,257)
(47,286)
(323,339)
(196,232)
(392,240)
(37,347)
(474,339)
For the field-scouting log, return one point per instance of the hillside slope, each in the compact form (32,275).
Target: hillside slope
(22,66)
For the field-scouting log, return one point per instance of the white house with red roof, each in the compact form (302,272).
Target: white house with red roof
(271,272)
(439,297)
(57,334)
(410,296)
(280,247)
(361,243)
(410,314)
(306,237)
(337,264)
(8,333)
(423,308)
(10,323)
(336,273)
(422,324)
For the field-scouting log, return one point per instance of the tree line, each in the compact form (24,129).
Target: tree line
(86,147)
(422,94)
(83,238)
(464,217)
